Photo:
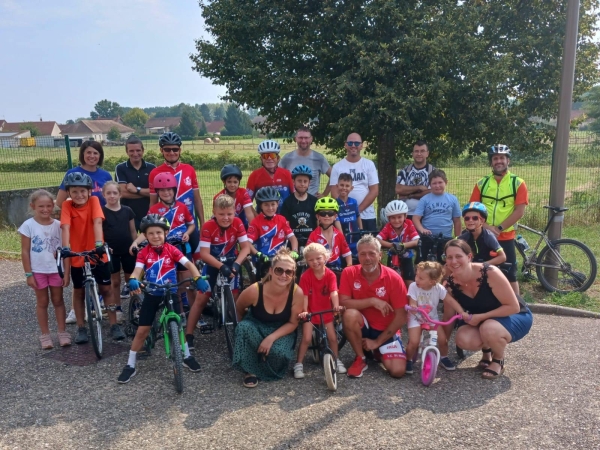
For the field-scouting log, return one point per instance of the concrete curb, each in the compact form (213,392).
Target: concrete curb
(562,311)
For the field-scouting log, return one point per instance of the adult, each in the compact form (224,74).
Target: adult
(304,155)
(374,297)
(132,176)
(265,338)
(91,158)
(413,180)
(505,197)
(496,315)
(188,192)
(365,180)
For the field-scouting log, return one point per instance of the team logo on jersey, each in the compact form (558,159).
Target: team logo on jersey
(188,181)
(188,201)
(357,285)
(162,210)
(265,228)
(180,218)
(380,291)
(281,234)
(325,290)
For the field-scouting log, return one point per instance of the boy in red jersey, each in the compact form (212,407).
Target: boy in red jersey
(231,176)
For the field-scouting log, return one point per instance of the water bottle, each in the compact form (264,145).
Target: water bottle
(522,243)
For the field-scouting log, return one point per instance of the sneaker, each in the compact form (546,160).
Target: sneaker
(357,368)
(447,364)
(71,317)
(125,292)
(191,363)
(340,367)
(201,323)
(189,338)
(46,342)
(82,336)
(298,370)
(127,374)
(64,338)
(116,332)
(120,317)
(409,367)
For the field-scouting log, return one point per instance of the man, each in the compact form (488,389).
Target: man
(413,181)
(132,176)
(374,297)
(505,197)
(188,192)
(365,180)
(304,155)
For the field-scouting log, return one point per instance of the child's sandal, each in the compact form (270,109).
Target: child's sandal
(64,338)
(46,342)
(484,363)
(490,374)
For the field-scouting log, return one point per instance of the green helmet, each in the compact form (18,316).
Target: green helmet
(327,204)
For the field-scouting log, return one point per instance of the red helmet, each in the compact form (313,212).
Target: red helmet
(165,181)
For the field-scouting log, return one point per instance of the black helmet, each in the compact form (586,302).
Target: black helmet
(267,194)
(77,179)
(499,149)
(230,170)
(154,220)
(169,138)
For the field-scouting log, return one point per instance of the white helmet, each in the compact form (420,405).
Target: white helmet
(395,207)
(268,146)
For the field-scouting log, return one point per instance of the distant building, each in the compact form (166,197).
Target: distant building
(45,128)
(160,125)
(96,129)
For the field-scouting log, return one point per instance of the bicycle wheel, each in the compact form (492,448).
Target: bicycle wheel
(314,347)
(217,311)
(575,264)
(176,355)
(94,317)
(330,372)
(429,367)
(230,321)
(133,314)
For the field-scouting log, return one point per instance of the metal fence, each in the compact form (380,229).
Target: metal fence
(45,163)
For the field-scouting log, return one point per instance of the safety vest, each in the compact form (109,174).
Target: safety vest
(499,198)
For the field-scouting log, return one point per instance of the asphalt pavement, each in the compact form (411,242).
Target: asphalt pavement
(549,397)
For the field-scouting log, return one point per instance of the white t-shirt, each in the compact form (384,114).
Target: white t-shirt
(363,174)
(45,239)
(427,300)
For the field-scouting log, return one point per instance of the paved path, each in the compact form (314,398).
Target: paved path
(549,398)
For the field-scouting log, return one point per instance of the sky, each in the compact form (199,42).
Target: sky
(58,58)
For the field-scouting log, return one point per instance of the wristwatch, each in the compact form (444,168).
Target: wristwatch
(500,227)
(139,189)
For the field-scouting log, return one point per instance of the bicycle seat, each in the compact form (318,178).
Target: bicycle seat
(556,209)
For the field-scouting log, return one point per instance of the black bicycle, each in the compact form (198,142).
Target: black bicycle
(436,249)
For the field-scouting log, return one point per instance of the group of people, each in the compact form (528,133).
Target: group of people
(280,214)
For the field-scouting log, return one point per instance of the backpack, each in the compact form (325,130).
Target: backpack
(513,179)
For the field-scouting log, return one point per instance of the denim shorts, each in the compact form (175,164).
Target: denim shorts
(518,325)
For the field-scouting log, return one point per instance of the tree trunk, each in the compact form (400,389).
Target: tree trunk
(386,168)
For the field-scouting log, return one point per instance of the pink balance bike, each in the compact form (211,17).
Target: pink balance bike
(430,355)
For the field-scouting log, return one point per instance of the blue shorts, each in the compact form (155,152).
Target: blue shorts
(518,325)
(391,349)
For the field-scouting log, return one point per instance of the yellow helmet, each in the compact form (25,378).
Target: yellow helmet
(327,204)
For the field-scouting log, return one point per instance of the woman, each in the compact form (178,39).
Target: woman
(265,338)
(498,315)
(91,157)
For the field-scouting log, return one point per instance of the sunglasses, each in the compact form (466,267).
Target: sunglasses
(171,149)
(280,271)
(353,143)
(326,213)
(471,218)
(269,156)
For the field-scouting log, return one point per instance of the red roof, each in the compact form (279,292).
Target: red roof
(215,126)
(163,122)
(45,128)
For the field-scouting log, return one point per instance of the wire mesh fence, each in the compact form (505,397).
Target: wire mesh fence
(43,162)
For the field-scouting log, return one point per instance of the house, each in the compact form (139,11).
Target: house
(160,125)
(12,139)
(215,126)
(45,128)
(96,129)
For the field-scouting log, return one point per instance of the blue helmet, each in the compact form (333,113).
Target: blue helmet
(302,170)
(477,207)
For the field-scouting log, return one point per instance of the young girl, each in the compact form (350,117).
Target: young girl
(426,292)
(319,285)
(119,232)
(40,237)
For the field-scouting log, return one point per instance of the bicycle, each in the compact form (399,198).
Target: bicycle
(560,256)
(92,300)
(435,246)
(430,355)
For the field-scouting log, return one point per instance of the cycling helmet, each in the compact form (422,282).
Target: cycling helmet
(267,194)
(477,207)
(499,149)
(169,138)
(230,170)
(327,204)
(268,146)
(77,179)
(154,220)
(165,181)
(302,170)
(395,207)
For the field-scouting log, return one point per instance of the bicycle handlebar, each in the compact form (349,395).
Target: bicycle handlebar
(320,313)
(89,255)
(414,310)
(145,284)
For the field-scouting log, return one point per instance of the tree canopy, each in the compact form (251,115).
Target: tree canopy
(187,127)
(105,109)
(205,111)
(114,134)
(591,106)
(33,130)
(135,118)
(462,75)
(237,122)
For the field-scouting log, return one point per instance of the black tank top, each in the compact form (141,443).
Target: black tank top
(262,315)
(484,300)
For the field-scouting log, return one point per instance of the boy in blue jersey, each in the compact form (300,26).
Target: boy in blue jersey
(348,215)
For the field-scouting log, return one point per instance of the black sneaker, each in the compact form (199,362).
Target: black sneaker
(447,364)
(189,338)
(191,363)
(82,336)
(116,332)
(409,367)
(127,374)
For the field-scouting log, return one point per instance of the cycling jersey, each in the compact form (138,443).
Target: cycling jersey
(281,180)
(348,217)
(408,233)
(483,246)
(269,235)
(301,216)
(178,215)
(187,183)
(340,246)
(242,200)
(160,267)
(222,241)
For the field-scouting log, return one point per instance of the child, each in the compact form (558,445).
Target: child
(426,292)
(219,238)
(299,208)
(40,237)
(328,236)
(268,231)
(231,175)
(81,223)
(320,293)
(348,214)
(158,259)
(437,212)
(483,243)
(119,232)
(400,234)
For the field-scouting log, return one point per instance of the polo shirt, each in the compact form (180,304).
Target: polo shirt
(126,173)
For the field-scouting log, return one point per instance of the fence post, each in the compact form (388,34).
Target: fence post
(68,149)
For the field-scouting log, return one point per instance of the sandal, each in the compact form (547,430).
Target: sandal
(64,338)
(250,381)
(492,373)
(46,342)
(484,363)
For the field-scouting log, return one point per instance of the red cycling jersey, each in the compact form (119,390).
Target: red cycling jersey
(268,235)
(281,180)
(178,215)
(222,242)
(242,200)
(187,183)
(160,267)
(340,246)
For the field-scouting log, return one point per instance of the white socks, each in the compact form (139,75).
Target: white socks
(186,350)
(132,358)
